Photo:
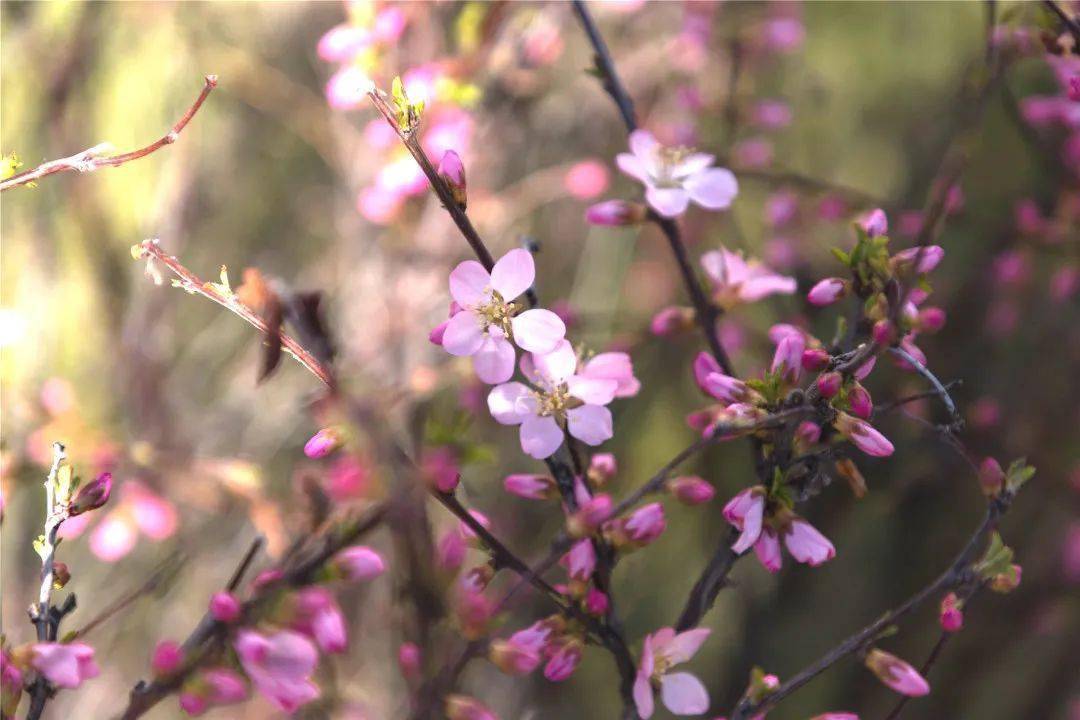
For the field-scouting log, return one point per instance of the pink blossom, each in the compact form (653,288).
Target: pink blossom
(409,660)
(166,658)
(615,213)
(681,692)
(224,607)
(560,396)
(347,88)
(535,637)
(860,403)
(875,223)
(317,615)
(488,319)
(951,617)
(280,665)
(896,673)
(379,205)
(928,257)
(65,665)
(580,562)
(783,34)
(646,524)
(767,549)
(671,320)
(727,389)
(529,486)
(155,516)
(787,360)
(225,686)
(591,513)
(514,658)
(691,489)
(674,176)
(322,443)
(92,495)
(930,319)
(596,602)
(745,512)
(586,179)
(828,384)
(615,366)
(341,42)
(440,468)
(563,662)
(806,544)
(114,537)
(772,114)
(827,291)
(865,437)
(781,208)
(807,433)
(815,359)
(736,280)
(704,364)
(359,563)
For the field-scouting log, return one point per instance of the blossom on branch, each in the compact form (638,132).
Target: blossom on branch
(673,177)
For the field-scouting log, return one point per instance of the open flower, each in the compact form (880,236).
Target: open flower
(65,665)
(736,280)
(489,318)
(763,530)
(317,615)
(560,397)
(681,692)
(675,176)
(280,665)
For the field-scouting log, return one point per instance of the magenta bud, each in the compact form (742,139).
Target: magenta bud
(409,660)
(691,489)
(596,603)
(815,359)
(883,332)
(590,516)
(860,403)
(951,616)
(829,384)
(192,704)
(1074,88)
(827,292)
(931,319)
(602,467)
(808,433)
(224,607)
(530,486)
(991,477)
(167,657)
(615,213)
(875,223)
(322,443)
(452,171)
(92,495)
(359,563)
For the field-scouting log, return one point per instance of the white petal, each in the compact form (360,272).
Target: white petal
(540,436)
(693,164)
(494,361)
(591,424)
(508,403)
(513,274)
(463,335)
(683,694)
(642,143)
(713,189)
(633,166)
(538,331)
(594,391)
(669,202)
(556,366)
(469,283)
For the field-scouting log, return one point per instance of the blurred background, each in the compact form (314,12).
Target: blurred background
(824,110)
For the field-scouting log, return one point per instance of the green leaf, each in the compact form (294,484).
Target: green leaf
(1018,474)
(39,547)
(840,255)
(997,559)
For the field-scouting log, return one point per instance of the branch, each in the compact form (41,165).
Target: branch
(939,389)
(1070,23)
(952,577)
(93,158)
(900,402)
(610,78)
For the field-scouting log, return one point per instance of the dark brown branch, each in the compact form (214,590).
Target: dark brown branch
(93,158)
(1071,24)
(606,67)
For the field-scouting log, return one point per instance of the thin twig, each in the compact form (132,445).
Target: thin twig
(163,572)
(891,405)
(941,391)
(93,158)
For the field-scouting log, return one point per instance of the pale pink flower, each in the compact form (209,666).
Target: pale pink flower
(489,317)
(875,223)
(681,692)
(897,674)
(827,291)
(704,364)
(767,549)
(645,524)
(280,665)
(347,88)
(341,42)
(928,257)
(65,665)
(675,176)
(727,389)
(787,359)
(863,435)
(615,366)
(615,213)
(806,544)
(379,205)
(155,516)
(317,615)
(560,396)
(746,512)
(359,563)
(114,537)
(736,280)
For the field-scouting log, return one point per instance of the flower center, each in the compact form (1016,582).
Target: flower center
(496,312)
(661,664)
(666,161)
(554,402)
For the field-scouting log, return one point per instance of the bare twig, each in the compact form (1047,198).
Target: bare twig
(939,389)
(93,158)
(891,405)
(158,577)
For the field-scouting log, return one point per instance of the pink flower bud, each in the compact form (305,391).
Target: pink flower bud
(726,389)
(452,172)
(602,468)
(827,291)
(896,673)
(815,359)
(92,495)
(224,607)
(322,443)
(883,332)
(691,489)
(875,223)
(512,658)
(671,321)
(863,435)
(991,477)
(462,707)
(193,704)
(1074,88)
(563,663)
(359,563)
(473,610)
(704,364)
(167,657)
(409,660)
(645,524)
(829,384)
(440,468)
(530,487)
(931,319)
(580,562)
(590,516)
(807,433)
(859,402)
(596,602)
(928,257)
(788,356)
(951,616)
(615,213)
(224,686)
(1006,582)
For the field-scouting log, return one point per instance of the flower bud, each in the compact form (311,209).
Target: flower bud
(224,607)
(92,495)
(563,663)
(875,223)
(807,434)
(409,660)
(512,658)
(951,616)
(896,673)
(860,403)
(671,321)
(590,516)
(359,563)
(61,575)
(596,603)
(615,213)
(928,258)
(829,384)
(645,524)
(463,707)
(529,486)
(991,477)
(322,443)
(815,359)
(167,657)
(452,172)
(827,291)
(691,489)
(602,467)
(930,319)
(1006,582)
(192,703)
(883,332)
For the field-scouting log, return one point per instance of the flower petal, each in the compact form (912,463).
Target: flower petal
(463,335)
(686,644)
(693,164)
(469,283)
(540,436)
(538,330)
(713,189)
(513,274)
(556,366)
(594,391)
(591,424)
(643,697)
(494,361)
(633,166)
(509,403)
(751,529)
(669,202)
(684,694)
(643,143)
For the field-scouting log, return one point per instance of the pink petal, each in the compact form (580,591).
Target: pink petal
(751,528)
(538,330)
(590,424)
(113,538)
(686,644)
(463,335)
(684,694)
(643,696)
(642,143)
(494,361)
(807,545)
(540,436)
(669,202)
(614,366)
(513,274)
(693,164)
(592,391)
(713,189)
(762,286)
(767,549)
(633,166)
(509,403)
(469,283)
(556,366)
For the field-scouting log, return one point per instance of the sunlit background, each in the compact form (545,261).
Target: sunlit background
(302,179)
